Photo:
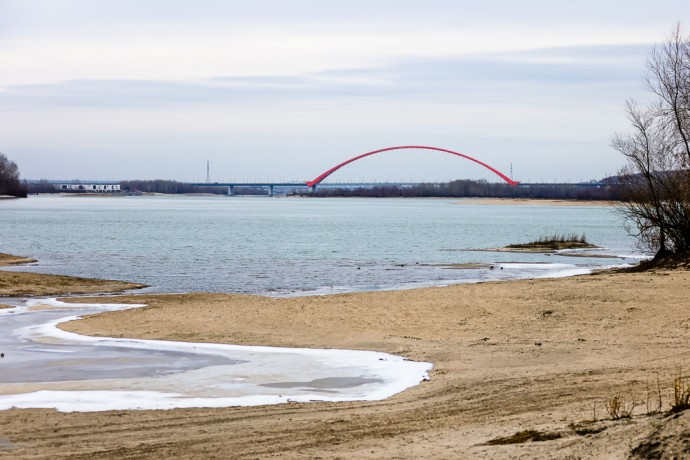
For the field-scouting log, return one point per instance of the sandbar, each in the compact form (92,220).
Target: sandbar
(17,284)
(9,259)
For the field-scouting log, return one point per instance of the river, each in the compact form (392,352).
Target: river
(297,246)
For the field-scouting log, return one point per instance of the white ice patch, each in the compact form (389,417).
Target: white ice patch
(635,256)
(536,267)
(252,375)
(100,401)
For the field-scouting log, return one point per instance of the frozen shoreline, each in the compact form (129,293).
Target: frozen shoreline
(256,375)
(498,272)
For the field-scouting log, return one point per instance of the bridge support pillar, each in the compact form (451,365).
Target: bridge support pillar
(270,191)
(231,190)
(312,188)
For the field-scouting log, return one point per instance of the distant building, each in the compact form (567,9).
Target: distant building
(88,188)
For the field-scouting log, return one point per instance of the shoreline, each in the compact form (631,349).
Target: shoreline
(10,259)
(28,284)
(533,202)
(233,375)
(456,200)
(541,355)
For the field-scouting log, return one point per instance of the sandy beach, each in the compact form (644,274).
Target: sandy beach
(534,202)
(509,357)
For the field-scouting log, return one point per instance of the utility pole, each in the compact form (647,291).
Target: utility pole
(208,172)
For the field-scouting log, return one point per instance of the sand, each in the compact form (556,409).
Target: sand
(9,259)
(541,355)
(535,202)
(16,284)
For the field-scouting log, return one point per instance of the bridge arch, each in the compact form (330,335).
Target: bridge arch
(324,175)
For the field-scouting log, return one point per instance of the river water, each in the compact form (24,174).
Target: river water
(296,246)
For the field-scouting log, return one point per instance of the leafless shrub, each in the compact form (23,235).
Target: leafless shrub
(617,408)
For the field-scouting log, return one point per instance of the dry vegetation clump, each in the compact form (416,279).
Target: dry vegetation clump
(618,409)
(681,394)
(556,241)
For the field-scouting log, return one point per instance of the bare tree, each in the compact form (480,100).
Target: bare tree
(9,178)
(656,179)
(668,78)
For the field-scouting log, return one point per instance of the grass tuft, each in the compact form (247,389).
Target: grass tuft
(681,393)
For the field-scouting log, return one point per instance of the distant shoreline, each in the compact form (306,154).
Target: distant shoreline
(456,200)
(533,201)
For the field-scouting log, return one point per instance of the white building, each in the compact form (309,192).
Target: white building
(88,188)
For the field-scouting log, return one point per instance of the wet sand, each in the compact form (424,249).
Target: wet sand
(9,259)
(540,355)
(17,284)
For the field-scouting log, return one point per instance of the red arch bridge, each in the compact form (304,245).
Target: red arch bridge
(319,179)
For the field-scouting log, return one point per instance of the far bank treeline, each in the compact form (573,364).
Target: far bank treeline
(168,187)
(454,189)
(478,189)
(9,178)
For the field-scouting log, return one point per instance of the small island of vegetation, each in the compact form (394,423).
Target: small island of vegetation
(555,242)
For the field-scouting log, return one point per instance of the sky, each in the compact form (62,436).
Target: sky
(281,90)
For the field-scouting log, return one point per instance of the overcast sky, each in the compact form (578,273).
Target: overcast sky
(284,89)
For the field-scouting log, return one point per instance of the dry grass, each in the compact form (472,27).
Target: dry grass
(618,408)
(556,241)
(681,393)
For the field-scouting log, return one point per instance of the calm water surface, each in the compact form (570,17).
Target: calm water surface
(286,246)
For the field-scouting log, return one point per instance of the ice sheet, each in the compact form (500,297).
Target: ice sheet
(232,375)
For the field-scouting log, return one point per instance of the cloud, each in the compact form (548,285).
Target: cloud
(487,78)
(283,86)
(49,42)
